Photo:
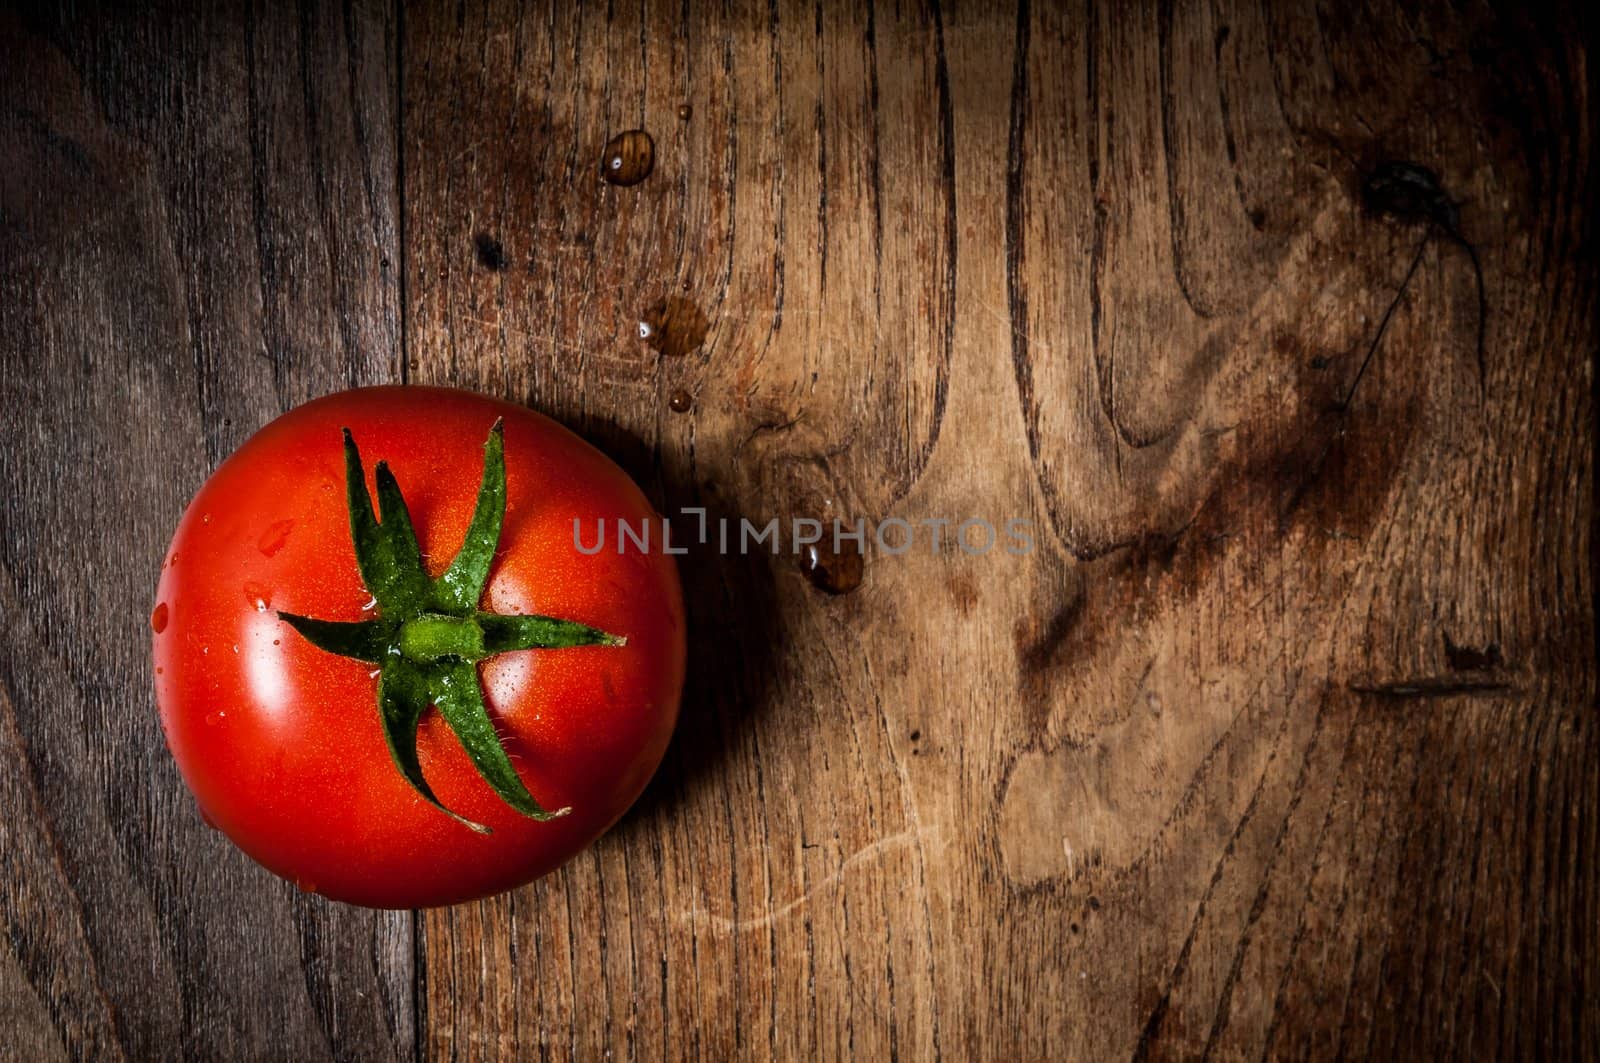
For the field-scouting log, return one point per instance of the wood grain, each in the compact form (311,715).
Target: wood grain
(196,213)
(1165,786)
(1280,742)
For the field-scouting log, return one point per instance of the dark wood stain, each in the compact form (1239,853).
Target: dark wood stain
(491,255)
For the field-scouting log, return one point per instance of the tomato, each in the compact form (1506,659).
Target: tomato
(287,744)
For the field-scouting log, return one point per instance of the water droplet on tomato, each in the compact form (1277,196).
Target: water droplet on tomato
(214,718)
(628,157)
(275,642)
(257,595)
(835,571)
(370,604)
(205,518)
(674,326)
(274,537)
(159,671)
(158,618)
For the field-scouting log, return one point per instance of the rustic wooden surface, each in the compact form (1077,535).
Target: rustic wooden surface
(1282,741)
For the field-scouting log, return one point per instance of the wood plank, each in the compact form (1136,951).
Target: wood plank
(1280,742)
(198,226)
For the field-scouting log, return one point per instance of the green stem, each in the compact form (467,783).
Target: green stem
(430,636)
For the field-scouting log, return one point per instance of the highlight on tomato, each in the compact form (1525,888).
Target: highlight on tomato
(407,687)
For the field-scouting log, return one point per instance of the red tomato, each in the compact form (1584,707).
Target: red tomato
(282,742)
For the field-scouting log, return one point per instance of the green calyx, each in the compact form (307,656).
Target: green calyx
(428,635)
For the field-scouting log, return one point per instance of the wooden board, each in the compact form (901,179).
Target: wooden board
(1280,741)
(196,213)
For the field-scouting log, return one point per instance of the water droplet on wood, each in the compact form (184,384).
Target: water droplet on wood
(684,112)
(680,402)
(837,572)
(674,326)
(628,157)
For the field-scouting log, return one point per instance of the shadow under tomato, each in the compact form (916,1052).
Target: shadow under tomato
(730,607)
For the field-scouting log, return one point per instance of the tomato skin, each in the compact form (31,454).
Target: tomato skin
(281,742)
